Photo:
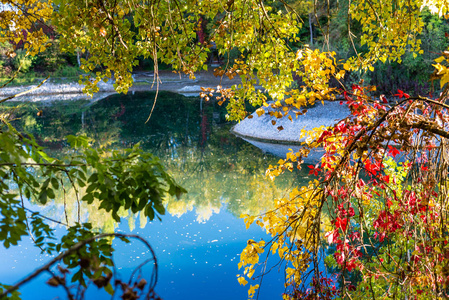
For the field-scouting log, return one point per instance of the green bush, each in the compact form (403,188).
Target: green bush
(23,61)
(67,71)
(50,60)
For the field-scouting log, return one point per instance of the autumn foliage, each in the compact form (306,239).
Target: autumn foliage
(374,222)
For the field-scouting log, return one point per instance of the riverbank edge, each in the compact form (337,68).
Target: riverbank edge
(269,140)
(143,82)
(256,129)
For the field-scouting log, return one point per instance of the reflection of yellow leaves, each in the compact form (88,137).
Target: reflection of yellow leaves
(178,207)
(143,220)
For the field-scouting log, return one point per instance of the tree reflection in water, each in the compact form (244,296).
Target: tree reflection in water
(190,137)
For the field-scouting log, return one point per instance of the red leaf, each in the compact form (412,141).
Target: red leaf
(347,98)
(393,151)
(314,170)
(341,223)
(401,94)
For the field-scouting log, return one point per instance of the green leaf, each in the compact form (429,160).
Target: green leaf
(89,198)
(27,193)
(91,188)
(93,178)
(55,183)
(78,141)
(109,289)
(43,197)
(50,193)
(159,208)
(46,157)
(149,212)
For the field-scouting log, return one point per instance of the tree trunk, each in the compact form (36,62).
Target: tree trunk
(311,28)
(78,58)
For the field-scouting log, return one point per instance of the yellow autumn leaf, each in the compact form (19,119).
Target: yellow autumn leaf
(252,290)
(250,272)
(340,74)
(242,280)
(260,111)
(439,59)
(444,79)
(302,99)
(103,31)
(248,221)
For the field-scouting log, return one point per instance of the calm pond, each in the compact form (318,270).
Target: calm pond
(199,240)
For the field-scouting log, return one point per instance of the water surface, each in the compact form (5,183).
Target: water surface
(199,240)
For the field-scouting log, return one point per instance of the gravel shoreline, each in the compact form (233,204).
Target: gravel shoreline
(261,128)
(143,81)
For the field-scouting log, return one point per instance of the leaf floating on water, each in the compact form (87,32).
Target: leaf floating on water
(280,128)
(273,122)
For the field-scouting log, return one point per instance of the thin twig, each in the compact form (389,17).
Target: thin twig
(73,249)
(26,92)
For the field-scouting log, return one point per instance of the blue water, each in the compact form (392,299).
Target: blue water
(196,260)
(197,249)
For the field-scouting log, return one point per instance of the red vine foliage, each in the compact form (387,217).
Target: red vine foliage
(375,223)
(384,177)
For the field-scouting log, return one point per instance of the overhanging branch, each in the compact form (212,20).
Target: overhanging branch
(75,248)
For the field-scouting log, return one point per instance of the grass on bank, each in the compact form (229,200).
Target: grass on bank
(66,74)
